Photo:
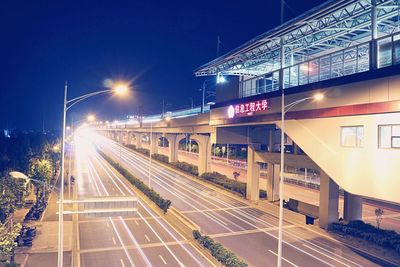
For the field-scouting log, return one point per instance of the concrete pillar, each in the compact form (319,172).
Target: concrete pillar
(328,201)
(296,149)
(253,174)
(352,210)
(273,176)
(270,140)
(154,143)
(204,144)
(128,138)
(138,141)
(172,147)
(118,137)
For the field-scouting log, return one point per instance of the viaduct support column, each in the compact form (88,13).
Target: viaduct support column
(154,143)
(352,207)
(253,174)
(204,152)
(328,201)
(138,141)
(118,137)
(172,147)
(128,138)
(273,176)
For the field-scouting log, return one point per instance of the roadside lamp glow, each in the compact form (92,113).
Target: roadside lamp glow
(91,118)
(318,96)
(121,89)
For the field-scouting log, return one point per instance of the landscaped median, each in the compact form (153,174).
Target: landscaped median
(387,239)
(163,203)
(212,177)
(218,251)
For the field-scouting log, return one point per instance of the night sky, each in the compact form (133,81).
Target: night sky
(156,44)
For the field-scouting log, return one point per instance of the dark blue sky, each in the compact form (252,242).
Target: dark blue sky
(158,44)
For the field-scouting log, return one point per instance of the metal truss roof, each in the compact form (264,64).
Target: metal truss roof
(332,26)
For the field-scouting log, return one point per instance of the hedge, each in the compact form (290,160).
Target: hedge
(160,157)
(223,255)
(186,167)
(164,204)
(385,238)
(225,182)
(213,177)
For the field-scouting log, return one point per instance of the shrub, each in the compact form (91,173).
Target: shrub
(163,203)
(219,252)
(186,167)
(385,238)
(161,157)
(131,146)
(232,185)
(143,151)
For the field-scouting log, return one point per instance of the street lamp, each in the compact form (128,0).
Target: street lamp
(119,88)
(285,109)
(91,118)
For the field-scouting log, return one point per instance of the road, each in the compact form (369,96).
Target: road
(391,218)
(142,240)
(250,232)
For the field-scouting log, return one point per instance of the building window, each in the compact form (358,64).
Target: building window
(389,136)
(352,136)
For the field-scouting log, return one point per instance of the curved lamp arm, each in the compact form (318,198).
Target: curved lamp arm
(289,106)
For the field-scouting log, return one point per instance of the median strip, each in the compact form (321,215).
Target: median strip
(218,251)
(161,202)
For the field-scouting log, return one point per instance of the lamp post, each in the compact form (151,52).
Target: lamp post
(119,88)
(285,109)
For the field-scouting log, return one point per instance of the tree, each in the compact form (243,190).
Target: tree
(7,239)
(40,173)
(378,213)
(12,194)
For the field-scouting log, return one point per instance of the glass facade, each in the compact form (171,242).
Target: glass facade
(341,63)
(259,85)
(349,61)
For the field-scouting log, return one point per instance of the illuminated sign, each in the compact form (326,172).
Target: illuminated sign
(249,108)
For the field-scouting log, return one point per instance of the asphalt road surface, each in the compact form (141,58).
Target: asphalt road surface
(141,240)
(249,232)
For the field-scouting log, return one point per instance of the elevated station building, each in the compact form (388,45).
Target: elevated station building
(347,50)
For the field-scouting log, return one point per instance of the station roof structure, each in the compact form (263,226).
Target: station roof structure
(332,26)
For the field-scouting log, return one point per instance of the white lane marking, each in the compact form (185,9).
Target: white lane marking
(332,258)
(113,239)
(148,239)
(161,257)
(249,216)
(291,263)
(154,217)
(95,171)
(122,263)
(137,223)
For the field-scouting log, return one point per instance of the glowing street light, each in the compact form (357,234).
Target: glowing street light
(121,89)
(117,88)
(285,109)
(91,118)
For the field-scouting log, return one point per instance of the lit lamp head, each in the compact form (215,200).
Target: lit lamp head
(91,118)
(318,96)
(56,148)
(168,118)
(120,89)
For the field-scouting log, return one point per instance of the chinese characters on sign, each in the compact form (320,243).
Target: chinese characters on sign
(255,106)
